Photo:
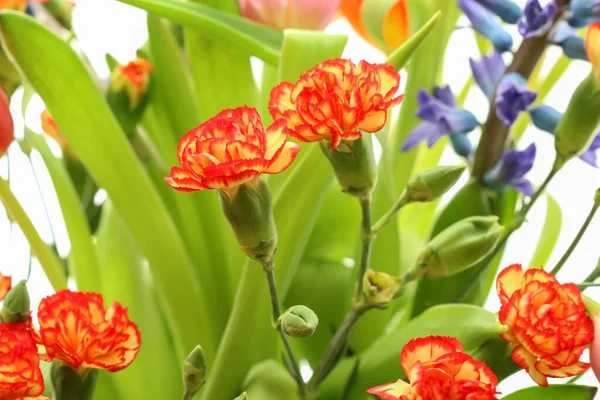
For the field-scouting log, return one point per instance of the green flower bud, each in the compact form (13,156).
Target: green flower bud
(459,247)
(194,371)
(432,183)
(242,396)
(250,213)
(354,164)
(298,321)
(380,288)
(16,307)
(579,123)
(69,383)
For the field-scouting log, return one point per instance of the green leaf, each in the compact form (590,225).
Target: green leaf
(127,280)
(256,39)
(83,255)
(550,234)
(471,325)
(555,392)
(400,57)
(80,110)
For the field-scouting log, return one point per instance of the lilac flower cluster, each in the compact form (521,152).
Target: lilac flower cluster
(506,91)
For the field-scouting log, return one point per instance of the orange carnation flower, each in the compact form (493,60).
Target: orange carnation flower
(547,323)
(337,100)
(7,127)
(20,374)
(438,369)
(230,149)
(75,328)
(5,285)
(135,77)
(592,47)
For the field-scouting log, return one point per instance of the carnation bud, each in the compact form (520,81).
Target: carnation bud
(70,383)
(579,123)
(16,306)
(7,127)
(248,209)
(459,247)
(128,93)
(354,164)
(298,321)
(194,371)
(242,396)
(432,183)
(380,288)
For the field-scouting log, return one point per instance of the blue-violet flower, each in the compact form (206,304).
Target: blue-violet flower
(511,169)
(537,21)
(488,72)
(484,22)
(512,98)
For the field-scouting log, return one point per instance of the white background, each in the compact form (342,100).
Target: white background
(105,26)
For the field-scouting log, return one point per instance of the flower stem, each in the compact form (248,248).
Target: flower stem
(276,311)
(595,274)
(48,260)
(577,238)
(519,219)
(367,241)
(387,217)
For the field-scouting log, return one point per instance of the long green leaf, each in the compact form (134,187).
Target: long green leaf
(550,234)
(126,279)
(93,132)
(83,255)
(258,40)
(400,57)
(555,392)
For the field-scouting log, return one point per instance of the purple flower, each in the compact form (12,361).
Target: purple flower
(488,72)
(590,156)
(441,116)
(508,11)
(485,22)
(511,169)
(585,9)
(537,21)
(547,118)
(512,98)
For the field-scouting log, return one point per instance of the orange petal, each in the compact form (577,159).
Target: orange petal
(183,181)
(373,121)
(284,159)
(352,10)
(509,281)
(592,47)
(535,274)
(571,370)
(280,101)
(391,391)
(527,361)
(427,349)
(276,137)
(396,25)
(5,285)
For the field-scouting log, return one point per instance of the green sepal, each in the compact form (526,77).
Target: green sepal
(402,55)
(71,384)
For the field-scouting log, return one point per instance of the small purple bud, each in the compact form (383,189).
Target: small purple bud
(574,48)
(511,169)
(545,118)
(462,145)
(590,156)
(508,11)
(488,72)
(584,9)
(484,22)
(512,98)
(537,21)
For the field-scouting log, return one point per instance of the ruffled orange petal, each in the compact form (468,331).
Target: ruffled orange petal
(509,281)
(284,159)
(527,361)
(427,349)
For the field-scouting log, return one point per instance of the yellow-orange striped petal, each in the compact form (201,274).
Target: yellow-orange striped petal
(427,349)
(396,24)
(509,281)
(5,285)
(592,47)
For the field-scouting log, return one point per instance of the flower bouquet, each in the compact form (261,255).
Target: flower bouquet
(279,232)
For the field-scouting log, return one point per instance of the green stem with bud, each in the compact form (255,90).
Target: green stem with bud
(367,241)
(578,237)
(517,223)
(388,216)
(276,310)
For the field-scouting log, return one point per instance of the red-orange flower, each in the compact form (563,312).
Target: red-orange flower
(337,100)
(592,46)
(438,369)
(20,374)
(7,127)
(135,78)
(230,149)
(75,328)
(51,129)
(547,323)
(5,285)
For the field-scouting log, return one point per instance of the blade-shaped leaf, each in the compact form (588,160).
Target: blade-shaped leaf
(400,57)
(258,40)
(93,132)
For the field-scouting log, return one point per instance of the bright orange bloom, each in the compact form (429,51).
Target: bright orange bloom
(395,26)
(7,127)
(337,100)
(18,4)
(51,129)
(438,369)
(75,328)
(5,285)
(230,149)
(20,374)
(592,47)
(547,323)
(134,77)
